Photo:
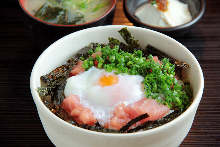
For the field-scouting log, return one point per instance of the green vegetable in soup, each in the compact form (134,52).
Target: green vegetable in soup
(100,5)
(49,12)
(53,13)
(69,12)
(153,2)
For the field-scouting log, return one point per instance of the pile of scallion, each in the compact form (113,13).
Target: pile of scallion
(160,82)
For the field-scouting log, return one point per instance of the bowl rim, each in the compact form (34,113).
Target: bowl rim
(167,29)
(40,105)
(110,9)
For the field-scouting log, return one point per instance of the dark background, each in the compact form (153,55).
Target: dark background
(19,122)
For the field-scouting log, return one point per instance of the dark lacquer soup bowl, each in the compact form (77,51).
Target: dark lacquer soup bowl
(45,33)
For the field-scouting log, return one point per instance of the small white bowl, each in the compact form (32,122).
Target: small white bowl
(63,134)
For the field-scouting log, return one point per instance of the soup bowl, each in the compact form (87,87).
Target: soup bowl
(45,33)
(62,133)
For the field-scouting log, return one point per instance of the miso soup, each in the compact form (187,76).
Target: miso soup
(68,12)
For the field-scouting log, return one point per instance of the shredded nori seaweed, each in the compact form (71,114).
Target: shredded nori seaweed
(58,111)
(44,91)
(153,124)
(126,35)
(56,77)
(53,84)
(97,127)
(59,96)
(133,121)
(115,42)
(142,126)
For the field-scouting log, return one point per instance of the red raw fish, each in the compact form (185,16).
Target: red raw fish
(77,69)
(123,114)
(96,54)
(81,114)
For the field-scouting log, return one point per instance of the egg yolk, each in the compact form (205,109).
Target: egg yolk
(108,80)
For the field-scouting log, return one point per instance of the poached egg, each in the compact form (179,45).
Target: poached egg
(101,91)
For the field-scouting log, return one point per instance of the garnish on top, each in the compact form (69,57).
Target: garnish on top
(162,5)
(160,81)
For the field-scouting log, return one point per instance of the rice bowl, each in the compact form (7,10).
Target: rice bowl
(64,133)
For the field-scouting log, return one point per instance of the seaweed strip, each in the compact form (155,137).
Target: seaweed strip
(153,124)
(115,42)
(142,126)
(56,77)
(133,121)
(97,127)
(129,39)
(59,96)
(53,84)
(61,73)
(44,91)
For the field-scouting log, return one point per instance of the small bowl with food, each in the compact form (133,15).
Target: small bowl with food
(110,86)
(50,20)
(173,17)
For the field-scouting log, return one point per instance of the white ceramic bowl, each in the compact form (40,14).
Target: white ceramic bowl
(63,134)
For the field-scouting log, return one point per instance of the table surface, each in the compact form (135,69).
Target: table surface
(19,121)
